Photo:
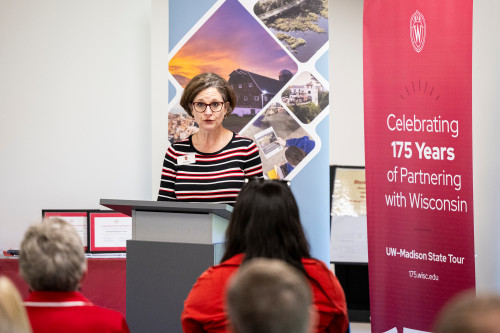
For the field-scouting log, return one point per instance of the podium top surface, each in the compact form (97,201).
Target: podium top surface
(127,206)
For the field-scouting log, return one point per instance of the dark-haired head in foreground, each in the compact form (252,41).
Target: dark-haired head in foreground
(266,223)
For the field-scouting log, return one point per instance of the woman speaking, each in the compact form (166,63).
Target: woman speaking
(212,164)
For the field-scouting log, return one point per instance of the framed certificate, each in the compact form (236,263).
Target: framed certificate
(349,238)
(348,235)
(77,218)
(109,231)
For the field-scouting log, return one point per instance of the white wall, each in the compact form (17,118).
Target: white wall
(159,89)
(346,26)
(74,107)
(76,120)
(486,122)
(347,146)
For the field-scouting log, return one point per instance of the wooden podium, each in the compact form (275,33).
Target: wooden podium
(172,244)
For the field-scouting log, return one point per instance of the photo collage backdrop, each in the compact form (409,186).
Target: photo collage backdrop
(274,54)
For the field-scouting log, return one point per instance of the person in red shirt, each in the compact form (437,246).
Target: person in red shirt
(265,223)
(53,263)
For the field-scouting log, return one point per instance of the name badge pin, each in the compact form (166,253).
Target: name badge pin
(186,159)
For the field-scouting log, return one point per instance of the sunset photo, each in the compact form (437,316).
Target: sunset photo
(230,39)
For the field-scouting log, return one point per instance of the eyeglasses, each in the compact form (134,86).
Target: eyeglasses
(201,107)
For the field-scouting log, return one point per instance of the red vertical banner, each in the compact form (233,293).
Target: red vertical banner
(418,141)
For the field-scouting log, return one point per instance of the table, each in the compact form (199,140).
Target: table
(104,285)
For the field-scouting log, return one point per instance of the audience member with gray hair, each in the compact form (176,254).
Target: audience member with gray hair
(468,313)
(269,296)
(53,263)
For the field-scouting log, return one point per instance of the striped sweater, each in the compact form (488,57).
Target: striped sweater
(209,177)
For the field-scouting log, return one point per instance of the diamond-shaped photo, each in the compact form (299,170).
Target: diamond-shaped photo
(233,44)
(180,125)
(301,25)
(282,142)
(305,97)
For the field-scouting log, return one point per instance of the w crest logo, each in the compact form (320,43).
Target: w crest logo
(417,31)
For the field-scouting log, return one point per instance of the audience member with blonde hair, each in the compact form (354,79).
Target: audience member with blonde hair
(269,296)
(53,263)
(13,318)
(466,313)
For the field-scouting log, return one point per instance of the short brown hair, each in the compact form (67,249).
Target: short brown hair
(466,313)
(204,81)
(269,296)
